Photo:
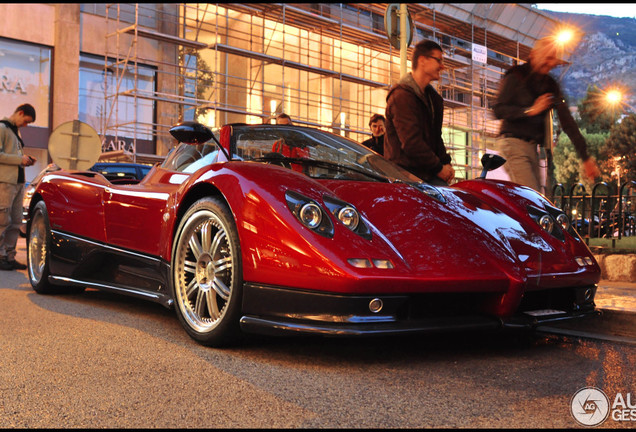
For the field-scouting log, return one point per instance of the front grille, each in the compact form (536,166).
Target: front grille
(566,299)
(432,305)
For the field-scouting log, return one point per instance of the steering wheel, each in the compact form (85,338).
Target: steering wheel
(275,158)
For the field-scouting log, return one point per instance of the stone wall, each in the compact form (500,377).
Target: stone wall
(617,267)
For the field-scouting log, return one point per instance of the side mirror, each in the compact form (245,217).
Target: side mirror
(490,162)
(191,132)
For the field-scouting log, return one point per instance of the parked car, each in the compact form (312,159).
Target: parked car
(325,237)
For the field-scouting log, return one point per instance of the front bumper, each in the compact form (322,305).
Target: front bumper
(273,310)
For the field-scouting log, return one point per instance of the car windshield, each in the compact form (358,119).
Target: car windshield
(316,153)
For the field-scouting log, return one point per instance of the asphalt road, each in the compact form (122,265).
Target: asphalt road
(98,360)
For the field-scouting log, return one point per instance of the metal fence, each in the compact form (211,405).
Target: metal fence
(609,211)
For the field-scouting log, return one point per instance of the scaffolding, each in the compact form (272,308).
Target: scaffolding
(327,65)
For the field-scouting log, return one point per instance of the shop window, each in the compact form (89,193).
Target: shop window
(113,111)
(25,77)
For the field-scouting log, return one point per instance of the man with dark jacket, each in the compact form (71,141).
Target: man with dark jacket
(526,96)
(376,142)
(414,115)
(12,163)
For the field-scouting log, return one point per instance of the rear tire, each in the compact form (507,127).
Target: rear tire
(207,275)
(38,247)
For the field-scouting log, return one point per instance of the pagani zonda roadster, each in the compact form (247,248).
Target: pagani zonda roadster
(270,229)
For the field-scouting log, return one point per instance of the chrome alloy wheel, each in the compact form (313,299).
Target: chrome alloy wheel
(37,247)
(204,270)
(38,243)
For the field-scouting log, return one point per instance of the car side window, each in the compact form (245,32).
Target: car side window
(190,157)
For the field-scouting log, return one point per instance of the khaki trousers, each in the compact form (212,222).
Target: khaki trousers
(522,161)
(10,218)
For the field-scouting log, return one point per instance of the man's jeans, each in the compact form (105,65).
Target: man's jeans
(522,161)
(10,218)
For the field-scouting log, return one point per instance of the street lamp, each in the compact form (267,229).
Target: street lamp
(566,39)
(564,36)
(615,98)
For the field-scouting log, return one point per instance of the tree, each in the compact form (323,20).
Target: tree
(567,163)
(196,82)
(620,149)
(596,115)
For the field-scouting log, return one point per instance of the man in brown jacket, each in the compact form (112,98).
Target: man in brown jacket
(414,115)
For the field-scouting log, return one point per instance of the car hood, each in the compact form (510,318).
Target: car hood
(457,234)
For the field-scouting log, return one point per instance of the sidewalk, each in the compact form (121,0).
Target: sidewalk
(616,296)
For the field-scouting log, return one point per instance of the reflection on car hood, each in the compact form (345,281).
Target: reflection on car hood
(461,229)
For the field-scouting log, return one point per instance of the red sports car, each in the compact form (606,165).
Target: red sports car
(270,229)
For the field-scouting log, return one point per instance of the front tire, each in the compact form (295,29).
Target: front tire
(207,273)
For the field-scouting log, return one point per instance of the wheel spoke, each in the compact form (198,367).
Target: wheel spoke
(221,289)
(223,264)
(213,307)
(195,246)
(200,304)
(206,237)
(192,286)
(218,242)
(189,266)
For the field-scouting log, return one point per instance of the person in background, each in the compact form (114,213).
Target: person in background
(12,163)
(526,96)
(283,119)
(280,146)
(376,142)
(414,116)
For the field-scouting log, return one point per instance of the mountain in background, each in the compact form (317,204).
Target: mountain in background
(605,56)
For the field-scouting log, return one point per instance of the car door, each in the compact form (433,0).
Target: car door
(134,216)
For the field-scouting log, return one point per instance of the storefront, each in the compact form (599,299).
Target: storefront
(25,71)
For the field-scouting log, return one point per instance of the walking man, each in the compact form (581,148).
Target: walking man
(527,95)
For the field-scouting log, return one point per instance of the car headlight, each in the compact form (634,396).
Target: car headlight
(552,220)
(349,217)
(314,217)
(547,223)
(310,215)
(563,220)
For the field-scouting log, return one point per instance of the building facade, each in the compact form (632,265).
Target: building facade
(131,71)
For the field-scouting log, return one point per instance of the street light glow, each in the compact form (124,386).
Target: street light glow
(617,98)
(565,36)
(614,97)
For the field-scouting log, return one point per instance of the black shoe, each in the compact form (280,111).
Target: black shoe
(6,265)
(16,265)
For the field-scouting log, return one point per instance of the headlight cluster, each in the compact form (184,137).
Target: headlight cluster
(314,217)
(552,220)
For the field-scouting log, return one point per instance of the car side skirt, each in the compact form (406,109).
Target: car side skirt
(79,261)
